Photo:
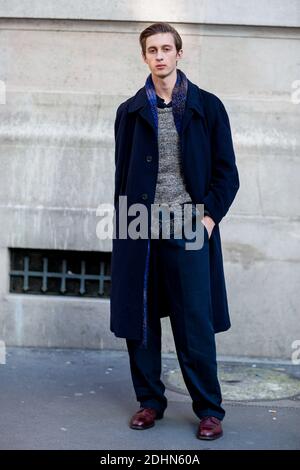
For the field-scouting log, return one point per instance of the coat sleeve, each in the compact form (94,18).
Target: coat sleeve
(224,182)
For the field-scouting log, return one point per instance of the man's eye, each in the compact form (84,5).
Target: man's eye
(166,49)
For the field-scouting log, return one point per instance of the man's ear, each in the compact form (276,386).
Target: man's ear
(180,52)
(143,57)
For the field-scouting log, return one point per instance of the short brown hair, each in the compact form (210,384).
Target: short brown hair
(156,28)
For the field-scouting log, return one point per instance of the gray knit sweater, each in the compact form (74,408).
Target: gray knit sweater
(170,186)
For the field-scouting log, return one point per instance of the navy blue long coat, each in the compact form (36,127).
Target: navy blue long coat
(211,178)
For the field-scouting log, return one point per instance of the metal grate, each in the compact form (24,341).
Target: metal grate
(57,272)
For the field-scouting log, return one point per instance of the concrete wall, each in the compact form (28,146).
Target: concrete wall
(66,68)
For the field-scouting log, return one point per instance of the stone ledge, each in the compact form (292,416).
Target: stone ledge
(256,12)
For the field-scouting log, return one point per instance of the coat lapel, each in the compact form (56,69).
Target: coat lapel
(194,104)
(141,104)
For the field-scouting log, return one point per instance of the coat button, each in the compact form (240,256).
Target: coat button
(149,158)
(144,196)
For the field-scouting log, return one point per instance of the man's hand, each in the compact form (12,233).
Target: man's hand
(209,224)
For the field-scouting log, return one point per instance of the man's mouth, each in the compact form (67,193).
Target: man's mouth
(159,66)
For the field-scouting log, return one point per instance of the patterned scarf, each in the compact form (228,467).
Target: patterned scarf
(178,99)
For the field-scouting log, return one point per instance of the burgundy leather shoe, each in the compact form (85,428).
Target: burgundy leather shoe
(144,418)
(209,428)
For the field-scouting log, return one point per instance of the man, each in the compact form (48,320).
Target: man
(173,145)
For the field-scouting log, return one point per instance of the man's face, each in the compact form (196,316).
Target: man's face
(161,49)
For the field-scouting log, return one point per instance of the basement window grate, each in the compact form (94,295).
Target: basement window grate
(60,272)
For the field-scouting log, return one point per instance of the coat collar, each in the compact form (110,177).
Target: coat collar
(193,102)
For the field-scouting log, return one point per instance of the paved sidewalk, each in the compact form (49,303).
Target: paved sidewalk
(83,399)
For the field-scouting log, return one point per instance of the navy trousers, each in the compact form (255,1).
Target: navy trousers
(182,277)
